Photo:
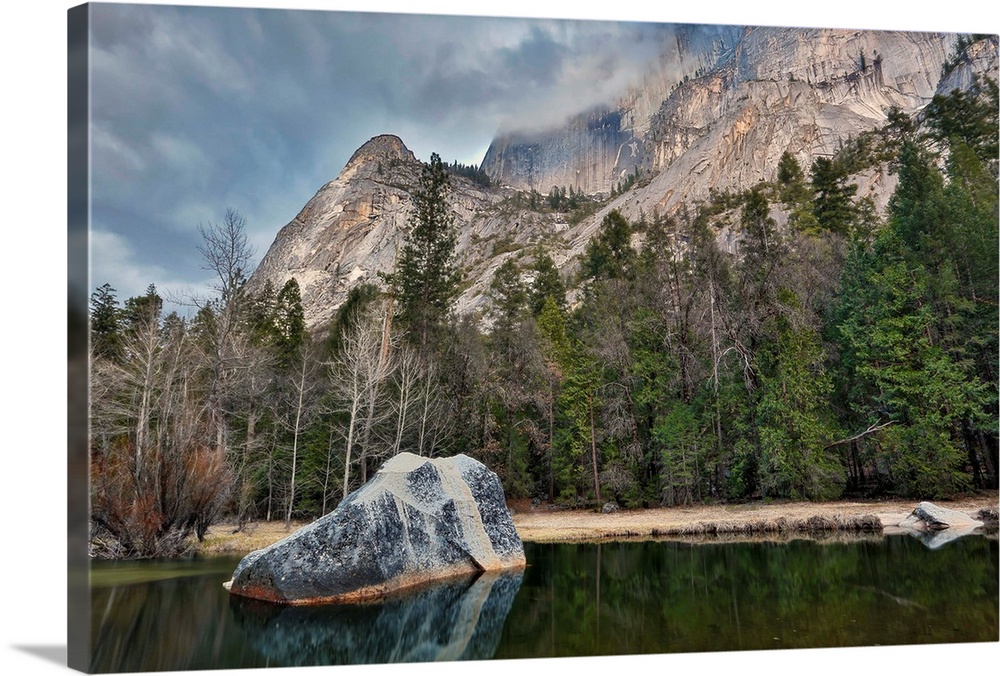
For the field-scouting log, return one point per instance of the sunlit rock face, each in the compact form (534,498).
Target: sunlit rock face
(416,520)
(729,102)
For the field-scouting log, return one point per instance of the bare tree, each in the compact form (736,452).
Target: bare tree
(156,480)
(383,372)
(303,386)
(433,416)
(226,252)
(408,370)
(357,374)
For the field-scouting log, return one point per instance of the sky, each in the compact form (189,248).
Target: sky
(34,276)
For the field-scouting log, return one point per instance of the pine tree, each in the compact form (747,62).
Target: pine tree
(610,255)
(832,204)
(546,284)
(105,323)
(425,280)
(141,311)
(969,118)
(289,322)
(795,426)
(508,295)
(796,194)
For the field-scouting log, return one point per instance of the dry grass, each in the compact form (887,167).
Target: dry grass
(224,539)
(776,520)
(750,519)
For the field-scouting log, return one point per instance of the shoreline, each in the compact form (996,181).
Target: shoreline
(547,524)
(758,518)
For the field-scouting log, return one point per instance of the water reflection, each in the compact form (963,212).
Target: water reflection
(664,597)
(572,600)
(935,539)
(453,620)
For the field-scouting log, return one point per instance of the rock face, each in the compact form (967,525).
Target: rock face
(930,517)
(737,99)
(600,147)
(415,521)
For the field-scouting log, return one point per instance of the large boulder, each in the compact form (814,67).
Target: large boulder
(416,520)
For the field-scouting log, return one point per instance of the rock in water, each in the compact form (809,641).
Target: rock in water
(416,520)
(929,517)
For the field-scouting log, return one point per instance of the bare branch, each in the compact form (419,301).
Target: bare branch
(871,430)
(227,251)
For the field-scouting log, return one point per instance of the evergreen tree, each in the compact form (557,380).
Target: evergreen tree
(576,457)
(796,194)
(289,323)
(795,426)
(789,171)
(832,204)
(141,311)
(546,284)
(969,118)
(554,346)
(358,302)
(518,375)
(425,280)
(508,295)
(901,375)
(610,255)
(105,323)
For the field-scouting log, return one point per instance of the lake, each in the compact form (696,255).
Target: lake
(573,600)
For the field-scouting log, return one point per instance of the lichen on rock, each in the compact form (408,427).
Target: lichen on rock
(417,520)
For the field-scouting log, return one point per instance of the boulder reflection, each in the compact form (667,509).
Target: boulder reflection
(452,620)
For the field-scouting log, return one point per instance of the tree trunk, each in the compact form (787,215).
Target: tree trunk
(552,446)
(348,449)
(295,450)
(593,448)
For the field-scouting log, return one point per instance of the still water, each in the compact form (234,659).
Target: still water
(572,600)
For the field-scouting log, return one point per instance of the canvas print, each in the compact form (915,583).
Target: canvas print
(409,338)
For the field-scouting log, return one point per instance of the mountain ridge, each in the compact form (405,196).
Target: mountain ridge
(721,131)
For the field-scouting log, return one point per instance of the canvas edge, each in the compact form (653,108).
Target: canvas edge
(78,228)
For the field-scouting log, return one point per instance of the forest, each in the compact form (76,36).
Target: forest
(830,350)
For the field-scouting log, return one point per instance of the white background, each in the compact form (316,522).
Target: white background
(32,398)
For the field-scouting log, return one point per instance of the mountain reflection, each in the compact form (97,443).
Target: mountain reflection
(453,620)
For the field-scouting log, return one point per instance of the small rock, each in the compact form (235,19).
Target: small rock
(930,517)
(610,507)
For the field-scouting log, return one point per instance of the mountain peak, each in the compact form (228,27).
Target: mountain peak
(383,148)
